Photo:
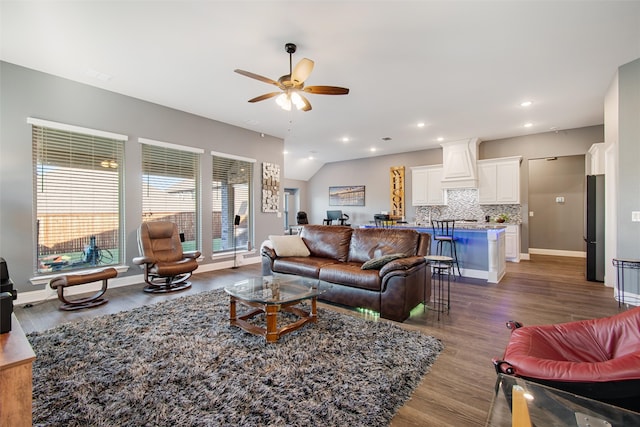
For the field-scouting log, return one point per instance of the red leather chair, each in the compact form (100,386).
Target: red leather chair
(598,358)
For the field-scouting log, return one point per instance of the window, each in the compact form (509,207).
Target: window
(170,175)
(76,189)
(232,184)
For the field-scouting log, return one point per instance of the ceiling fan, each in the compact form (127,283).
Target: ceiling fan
(292,84)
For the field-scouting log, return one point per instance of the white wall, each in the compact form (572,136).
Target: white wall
(611,180)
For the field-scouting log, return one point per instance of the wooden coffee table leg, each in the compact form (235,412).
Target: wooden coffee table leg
(232,310)
(272,322)
(314,310)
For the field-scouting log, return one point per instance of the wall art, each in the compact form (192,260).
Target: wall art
(396,180)
(352,195)
(270,187)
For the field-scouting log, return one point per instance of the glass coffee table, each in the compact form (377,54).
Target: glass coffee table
(269,295)
(519,402)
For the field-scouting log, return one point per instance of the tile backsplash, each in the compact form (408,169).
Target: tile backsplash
(463,204)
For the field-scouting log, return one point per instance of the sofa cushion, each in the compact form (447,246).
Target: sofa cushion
(368,243)
(327,241)
(378,263)
(301,266)
(351,274)
(286,246)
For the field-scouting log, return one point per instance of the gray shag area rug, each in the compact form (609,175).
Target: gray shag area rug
(180,363)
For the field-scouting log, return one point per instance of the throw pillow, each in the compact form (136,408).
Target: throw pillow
(378,263)
(289,246)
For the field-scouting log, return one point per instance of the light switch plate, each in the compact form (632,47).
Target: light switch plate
(635,216)
(530,213)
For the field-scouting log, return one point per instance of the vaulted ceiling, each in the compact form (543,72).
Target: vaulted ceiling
(460,68)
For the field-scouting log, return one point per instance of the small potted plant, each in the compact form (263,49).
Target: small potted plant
(502,218)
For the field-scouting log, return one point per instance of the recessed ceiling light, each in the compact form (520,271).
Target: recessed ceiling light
(528,125)
(440,139)
(373,149)
(310,157)
(526,104)
(345,139)
(285,152)
(420,125)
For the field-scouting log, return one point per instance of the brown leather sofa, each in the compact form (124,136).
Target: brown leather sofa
(337,254)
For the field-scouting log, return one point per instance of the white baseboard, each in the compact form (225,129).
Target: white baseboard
(48,293)
(525,257)
(474,274)
(557,252)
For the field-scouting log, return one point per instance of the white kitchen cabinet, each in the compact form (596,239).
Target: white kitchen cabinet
(499,181)
(426,186)
(512,243)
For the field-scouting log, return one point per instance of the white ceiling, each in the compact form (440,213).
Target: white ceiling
(461,68)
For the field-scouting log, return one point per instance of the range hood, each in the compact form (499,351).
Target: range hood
(459,163)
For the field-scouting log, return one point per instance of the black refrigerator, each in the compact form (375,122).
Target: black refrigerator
(594,224)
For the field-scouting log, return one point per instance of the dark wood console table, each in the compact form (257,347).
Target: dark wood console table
(16,359)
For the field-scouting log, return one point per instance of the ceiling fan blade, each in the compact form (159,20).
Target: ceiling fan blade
(258,77)
(307,105)
(301,71)
(265,96)
(326,90)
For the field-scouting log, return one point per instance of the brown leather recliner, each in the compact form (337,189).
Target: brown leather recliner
(166,267)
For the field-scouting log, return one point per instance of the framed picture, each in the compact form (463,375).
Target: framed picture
(351,195)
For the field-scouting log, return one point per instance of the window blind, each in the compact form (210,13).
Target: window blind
(76,187)
(170,187)
(232,186)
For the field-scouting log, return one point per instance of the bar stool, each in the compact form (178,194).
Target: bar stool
(443,233)
(441,266)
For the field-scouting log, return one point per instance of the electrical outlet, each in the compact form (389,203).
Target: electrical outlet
(635,216)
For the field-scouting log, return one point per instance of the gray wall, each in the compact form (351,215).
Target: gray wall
(557,225)
(562,143)
(28,93)
(373,172)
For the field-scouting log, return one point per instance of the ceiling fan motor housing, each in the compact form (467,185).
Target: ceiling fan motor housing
(290,48)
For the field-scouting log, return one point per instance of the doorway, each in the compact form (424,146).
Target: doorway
(291,206)
(557,206)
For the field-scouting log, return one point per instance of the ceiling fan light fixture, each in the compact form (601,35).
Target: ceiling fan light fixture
(284,101)
(297,100)
(288,99)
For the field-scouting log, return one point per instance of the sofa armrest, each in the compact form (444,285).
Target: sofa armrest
(266,249)
(402,264)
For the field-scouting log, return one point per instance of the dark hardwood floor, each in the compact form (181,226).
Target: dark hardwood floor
(459,389)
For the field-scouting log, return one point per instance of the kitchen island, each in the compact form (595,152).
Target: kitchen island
(480,247)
